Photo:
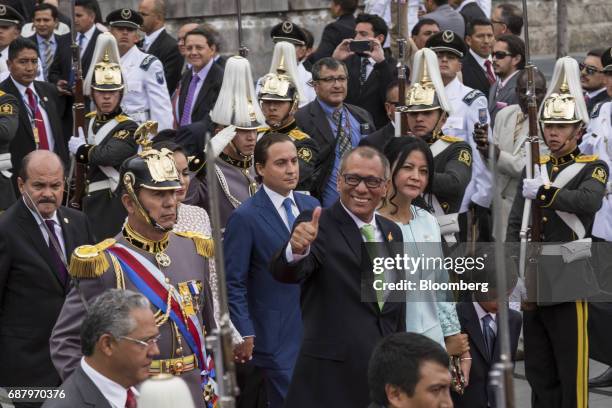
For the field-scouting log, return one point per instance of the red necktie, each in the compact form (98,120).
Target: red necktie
(130,401)
(43,142)
(490,73)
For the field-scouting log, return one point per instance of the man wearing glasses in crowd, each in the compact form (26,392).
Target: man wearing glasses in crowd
(592,79)
(508,59)
(336,126)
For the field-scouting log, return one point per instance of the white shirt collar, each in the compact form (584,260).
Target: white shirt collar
(480,60)
(113,392)
(89,33)
(276,198)
(453,87)
(505,81)
(593,94)
(482,313)
(22,89)
(39,221)
(150,39)
(360,223)
(126,56)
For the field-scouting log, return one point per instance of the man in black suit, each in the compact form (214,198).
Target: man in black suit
(119,341)
(33,277)
(381,137)
(369,72)
(321,119)
(40,126)
(335,32)
(479,320)
(327,256)
(477,66)
(158,42)
(200,85)
(593,79)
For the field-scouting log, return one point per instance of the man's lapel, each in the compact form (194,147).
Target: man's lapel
(270,214)
(320,120)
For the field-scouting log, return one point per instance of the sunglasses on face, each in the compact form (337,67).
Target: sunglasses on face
(589,70)
(500,55)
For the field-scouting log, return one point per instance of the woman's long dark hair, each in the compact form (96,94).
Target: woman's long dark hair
(397,150)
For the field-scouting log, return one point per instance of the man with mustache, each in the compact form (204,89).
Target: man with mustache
(170,269)
(32,272)
(110,140)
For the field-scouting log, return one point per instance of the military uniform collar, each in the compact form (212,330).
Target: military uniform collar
(568,158)
(143,243)
(285,129)
(103,118)
(243,164)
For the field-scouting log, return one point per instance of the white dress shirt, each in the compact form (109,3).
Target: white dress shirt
(57,228)
(150,39)
(277,201)
(481,61)
(481,314)
(43,112)
(115,394)
(87,36)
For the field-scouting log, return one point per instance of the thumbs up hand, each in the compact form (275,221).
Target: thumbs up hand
(305,233)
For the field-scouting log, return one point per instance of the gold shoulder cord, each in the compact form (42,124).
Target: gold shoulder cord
(119,278)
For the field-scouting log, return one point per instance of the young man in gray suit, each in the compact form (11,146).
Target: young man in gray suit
(447,17)
(508,59)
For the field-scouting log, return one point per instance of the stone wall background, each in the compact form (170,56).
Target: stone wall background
(589,22)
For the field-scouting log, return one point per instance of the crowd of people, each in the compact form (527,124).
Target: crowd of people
(109,283)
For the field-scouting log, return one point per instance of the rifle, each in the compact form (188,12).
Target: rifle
(243,51)
(78,112)
(220,340)
(401,118)
(531,233)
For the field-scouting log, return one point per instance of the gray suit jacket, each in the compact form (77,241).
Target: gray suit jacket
(79,391)
(506,96)
(448,19)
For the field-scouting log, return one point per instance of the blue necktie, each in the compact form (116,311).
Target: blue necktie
(290,217)
(489,334)
(193,85)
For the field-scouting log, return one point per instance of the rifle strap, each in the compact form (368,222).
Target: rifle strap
(571,220)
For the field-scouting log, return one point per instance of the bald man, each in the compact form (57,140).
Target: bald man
(33,276)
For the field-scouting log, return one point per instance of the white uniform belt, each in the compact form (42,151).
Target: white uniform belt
(99,185)
(5,164)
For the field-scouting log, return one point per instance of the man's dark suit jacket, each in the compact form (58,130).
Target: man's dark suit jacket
(206,98)
(165,48)
(88,54)
(474,75)
(23,142)
(472,12)
(380,138)
(80,391)
(31,293)
(340,330)
(372,95)
(333,34)
(313,121)
(192,137)
(600,97)
(62,60)
(478,392)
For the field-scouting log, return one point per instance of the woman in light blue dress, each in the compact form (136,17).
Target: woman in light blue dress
(427,312)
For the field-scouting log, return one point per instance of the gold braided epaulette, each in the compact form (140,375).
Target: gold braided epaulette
(122,118)
(583,158)
(451,139)
(204,245)
(2,93)
(91,114)
(89,261)
(297,134)
(544,159)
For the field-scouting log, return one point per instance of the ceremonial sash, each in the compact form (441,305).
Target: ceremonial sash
(150,281)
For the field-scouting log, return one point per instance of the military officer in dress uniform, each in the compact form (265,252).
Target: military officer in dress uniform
(568,187)
(293,34)
(170,269)
(110,139)
(147,95)
(469,109)
(236,117)
(279,98)
(427,108)
(9,118)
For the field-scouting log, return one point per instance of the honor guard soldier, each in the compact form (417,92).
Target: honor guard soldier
(279,96)
(170,269)
(428,108)
(110,139)
(470,108)
(147,96)
(9,119)
(568,187)
(236,117)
